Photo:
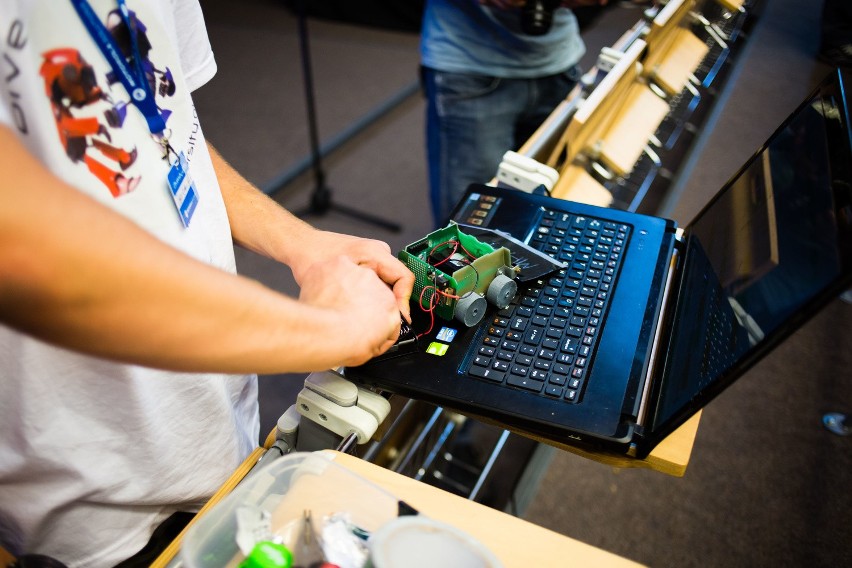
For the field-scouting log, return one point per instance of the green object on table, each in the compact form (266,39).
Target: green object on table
(267,554)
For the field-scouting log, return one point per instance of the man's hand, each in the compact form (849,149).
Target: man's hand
(367,307)
(369,253)
(261,225)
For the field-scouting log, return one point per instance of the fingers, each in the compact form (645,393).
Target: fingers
(403,300)
(401,280)
(376,255)
(402,288)
(378,347)
(367,306)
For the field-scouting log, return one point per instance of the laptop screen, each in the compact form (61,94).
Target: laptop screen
(767,251)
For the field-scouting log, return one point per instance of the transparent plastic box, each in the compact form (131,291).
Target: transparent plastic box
(286,489)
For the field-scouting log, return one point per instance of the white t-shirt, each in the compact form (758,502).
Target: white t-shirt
(94,454)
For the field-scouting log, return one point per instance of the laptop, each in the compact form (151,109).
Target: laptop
(642,323)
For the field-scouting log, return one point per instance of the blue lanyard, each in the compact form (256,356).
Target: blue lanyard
(133,79)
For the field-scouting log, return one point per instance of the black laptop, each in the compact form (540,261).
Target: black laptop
(643,323)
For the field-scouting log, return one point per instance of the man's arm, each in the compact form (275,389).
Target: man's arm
(259,224)
(77,274)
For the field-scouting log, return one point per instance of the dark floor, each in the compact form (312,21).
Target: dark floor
(767,485)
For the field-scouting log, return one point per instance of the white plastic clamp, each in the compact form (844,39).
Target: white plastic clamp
(524,173)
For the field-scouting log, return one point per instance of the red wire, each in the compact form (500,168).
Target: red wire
(436,247)
(456,245)
(466,251)
(430,310)
(431,325)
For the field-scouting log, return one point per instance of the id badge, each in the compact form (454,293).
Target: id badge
(183,189)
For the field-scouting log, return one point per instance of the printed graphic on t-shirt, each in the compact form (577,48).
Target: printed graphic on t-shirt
(89,109)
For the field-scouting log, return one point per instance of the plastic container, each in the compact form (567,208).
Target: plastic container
(282,492)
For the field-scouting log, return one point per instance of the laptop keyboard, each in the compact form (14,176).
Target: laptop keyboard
(544,342)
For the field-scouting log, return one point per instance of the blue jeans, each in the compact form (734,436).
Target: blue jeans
(472,120)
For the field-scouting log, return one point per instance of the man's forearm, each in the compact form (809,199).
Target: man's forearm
(75,273)
(258,223)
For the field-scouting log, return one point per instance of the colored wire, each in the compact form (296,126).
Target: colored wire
(434,299)
(456,245)
(449,256)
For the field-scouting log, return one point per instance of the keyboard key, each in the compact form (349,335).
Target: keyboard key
(525,360)
(557,380)
(520,370)
(565,358)
(524,383)
(482,361)
(545,354)
(489,374)
(544,311)
(539,375)
(554,333)
(553,390)
(561,369)
(533,335)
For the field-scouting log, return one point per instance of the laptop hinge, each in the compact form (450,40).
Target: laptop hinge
(652,366)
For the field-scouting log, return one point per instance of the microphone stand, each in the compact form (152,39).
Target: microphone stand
(321,199)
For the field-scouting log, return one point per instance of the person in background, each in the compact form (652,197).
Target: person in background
(128,343)
(492,71)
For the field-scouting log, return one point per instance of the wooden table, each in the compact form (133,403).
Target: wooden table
(515,542)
